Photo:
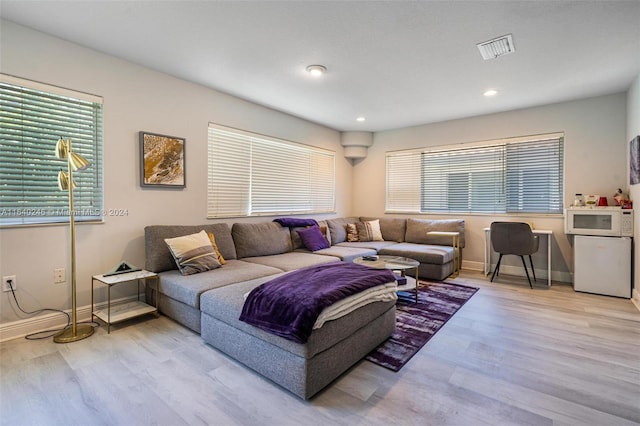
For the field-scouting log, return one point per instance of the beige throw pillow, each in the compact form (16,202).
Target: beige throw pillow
(193,253)
(376,233)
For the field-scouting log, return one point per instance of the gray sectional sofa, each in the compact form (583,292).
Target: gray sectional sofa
(210,302)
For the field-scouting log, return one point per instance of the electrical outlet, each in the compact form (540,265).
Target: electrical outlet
(59,276)
(5,283)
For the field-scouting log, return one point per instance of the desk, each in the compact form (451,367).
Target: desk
(488,251)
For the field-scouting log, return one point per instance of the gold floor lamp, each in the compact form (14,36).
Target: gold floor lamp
(75,162)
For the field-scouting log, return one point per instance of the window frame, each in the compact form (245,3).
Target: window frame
(499,168)
(260,185)
(32,139)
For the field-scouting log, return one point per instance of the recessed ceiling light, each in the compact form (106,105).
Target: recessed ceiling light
(316,70)
(361,119)
(490,92)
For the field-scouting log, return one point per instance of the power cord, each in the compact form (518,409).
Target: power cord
(36,336)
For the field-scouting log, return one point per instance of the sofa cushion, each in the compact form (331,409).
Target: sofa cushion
(374,245)
(346,254)
(417,231)
(423,253)
(187,289)
(158,256)
(338,228)
(260,239)
(193,253)
(292,260)
(393,229)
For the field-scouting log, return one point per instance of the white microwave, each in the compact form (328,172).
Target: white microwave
(605,221)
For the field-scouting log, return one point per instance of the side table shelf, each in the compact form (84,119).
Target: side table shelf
(111,315)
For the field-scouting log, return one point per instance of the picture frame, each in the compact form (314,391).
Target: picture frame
(162,161)
(634,161)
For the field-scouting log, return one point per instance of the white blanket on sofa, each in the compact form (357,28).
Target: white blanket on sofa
(381,293)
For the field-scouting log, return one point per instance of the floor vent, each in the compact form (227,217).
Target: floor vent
(491,49)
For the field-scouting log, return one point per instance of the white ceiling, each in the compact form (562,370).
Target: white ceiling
(398,63)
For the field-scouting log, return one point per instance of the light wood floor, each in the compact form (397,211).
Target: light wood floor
(511,355)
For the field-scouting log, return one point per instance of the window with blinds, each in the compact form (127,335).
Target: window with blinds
(33,116)
(254,175)
(520,175)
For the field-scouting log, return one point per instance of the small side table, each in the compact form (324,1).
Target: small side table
(127,310)
(455,243)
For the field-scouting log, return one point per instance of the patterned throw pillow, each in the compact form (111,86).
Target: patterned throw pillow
(364,232)
(369,231)
(193,253)
(352,233)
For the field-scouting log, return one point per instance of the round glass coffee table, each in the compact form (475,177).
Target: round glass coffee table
(397,264)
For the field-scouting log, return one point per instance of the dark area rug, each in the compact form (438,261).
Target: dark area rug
(416,323)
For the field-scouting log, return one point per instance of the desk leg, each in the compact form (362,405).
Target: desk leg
(487,252)
(548,260)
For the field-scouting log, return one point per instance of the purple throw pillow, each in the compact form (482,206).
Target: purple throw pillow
(313,239)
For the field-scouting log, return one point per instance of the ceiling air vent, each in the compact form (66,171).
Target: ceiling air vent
(497,47)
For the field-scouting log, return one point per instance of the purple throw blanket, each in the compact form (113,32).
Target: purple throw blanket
(292,222)
(288,306)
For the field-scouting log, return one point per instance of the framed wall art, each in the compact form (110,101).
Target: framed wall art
(634,161)
(162,161)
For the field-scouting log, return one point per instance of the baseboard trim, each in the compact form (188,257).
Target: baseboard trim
(635,298)
(20,328)
(541,274)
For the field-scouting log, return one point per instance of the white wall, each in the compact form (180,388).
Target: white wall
(633,130)
(135,98)
(595,163)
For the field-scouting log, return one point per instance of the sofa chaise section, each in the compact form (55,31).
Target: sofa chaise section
(407,238)
(303,369)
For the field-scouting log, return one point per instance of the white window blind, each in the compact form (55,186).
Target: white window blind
(33,116)
(252,175)
(403,182)
(520,175)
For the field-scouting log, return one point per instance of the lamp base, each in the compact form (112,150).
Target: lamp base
(67,335)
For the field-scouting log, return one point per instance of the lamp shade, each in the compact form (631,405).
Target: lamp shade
(78,162)
(63,181)
(61,149)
